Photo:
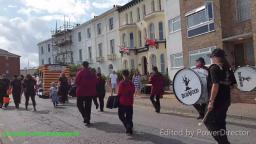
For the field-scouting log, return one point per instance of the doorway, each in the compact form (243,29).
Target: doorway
(239,55)
(144,65)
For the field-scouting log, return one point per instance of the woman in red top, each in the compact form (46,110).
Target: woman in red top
(126,97)
(157,90)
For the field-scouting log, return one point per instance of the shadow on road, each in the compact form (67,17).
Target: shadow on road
(137,136)
(42,112)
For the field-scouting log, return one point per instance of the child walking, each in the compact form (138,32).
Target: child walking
(54,94)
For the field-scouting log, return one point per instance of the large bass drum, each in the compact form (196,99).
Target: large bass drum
(246,78)
(190,86)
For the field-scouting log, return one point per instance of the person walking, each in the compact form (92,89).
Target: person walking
(126,98)
(54,94)
(29,91)
(63,88)
(86,90)
(221,78)
(94,99)
(101,90)
(157,89)
(2,91)
(201,68)
(113,80)
(16,86)
(137,82)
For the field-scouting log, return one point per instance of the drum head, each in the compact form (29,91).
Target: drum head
(246,78)
(187,86)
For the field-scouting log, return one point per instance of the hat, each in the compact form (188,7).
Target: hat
(201,60)
(218,53)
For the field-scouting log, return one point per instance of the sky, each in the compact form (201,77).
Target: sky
(24,23)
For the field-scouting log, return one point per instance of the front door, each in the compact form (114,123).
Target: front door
(239,55)
(145,65)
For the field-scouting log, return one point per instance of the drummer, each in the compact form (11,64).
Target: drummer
(220,76)
(201,108)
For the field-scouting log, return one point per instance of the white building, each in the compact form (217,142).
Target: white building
(174,37)
(95,41)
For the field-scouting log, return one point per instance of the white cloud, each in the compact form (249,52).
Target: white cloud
(74,8)
(12,6)
(108,3)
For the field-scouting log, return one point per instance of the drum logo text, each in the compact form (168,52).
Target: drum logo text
(188,91)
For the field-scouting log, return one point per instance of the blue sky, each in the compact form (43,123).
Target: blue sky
(24,23)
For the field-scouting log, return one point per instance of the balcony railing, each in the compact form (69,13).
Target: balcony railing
(62,43)
(154,14)
(125,26)
(112,57)
(100,59)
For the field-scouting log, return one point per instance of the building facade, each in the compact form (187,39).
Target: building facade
(143,35)
(10,63)
(95,41)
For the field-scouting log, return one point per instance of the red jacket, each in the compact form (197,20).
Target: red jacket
(126,93)
(86,83)
(157,81)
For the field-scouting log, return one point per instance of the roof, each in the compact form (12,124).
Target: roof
(6,53)
(128,5)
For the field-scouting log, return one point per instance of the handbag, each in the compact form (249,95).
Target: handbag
(6,100)
(112,102)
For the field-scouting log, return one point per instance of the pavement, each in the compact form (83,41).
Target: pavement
(238,111)
(149,127)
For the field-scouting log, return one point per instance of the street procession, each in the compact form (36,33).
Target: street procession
(128,71)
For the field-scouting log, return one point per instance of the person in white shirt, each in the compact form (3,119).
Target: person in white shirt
(113,80)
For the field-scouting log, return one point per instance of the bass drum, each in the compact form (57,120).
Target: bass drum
(246,78)
(189,88)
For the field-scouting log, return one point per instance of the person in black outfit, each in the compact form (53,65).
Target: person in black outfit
(16,90)
(201,108)
(29,90)
(221,78)
(101,91)
(63,88)
(4,86)
(95,101)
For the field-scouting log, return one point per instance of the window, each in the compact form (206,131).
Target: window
(100,49)
(195,54)
(145,33)
(201,21)
(151,31)
(131,17)
(132,64)
(243,8)
(80,55)
(79,36)
(177,60)
(138,14)
(174,24)
(153,6)
(99,28)
(111,23)
(42,61)
(90,53)
(125,64)
(162,63)
(160,5)
(88,33)
(131,40)
(49,47)
(112,46)
(144,11)
(140,38)
(153,60)
(49,60)
(126,18)
(42,50)
(161,31)
(124,40)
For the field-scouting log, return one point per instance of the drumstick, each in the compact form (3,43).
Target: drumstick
(205,116)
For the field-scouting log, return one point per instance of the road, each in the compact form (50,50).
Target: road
(149,127)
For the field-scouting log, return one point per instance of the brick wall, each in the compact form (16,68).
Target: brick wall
(10,64)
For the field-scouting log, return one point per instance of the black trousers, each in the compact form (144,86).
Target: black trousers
(125,114)
(155,99)
(16,98)
(201,108)
(84,104)
(32,96)
(216,122)
(101,101)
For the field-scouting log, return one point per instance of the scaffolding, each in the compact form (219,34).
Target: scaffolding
(61,44)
